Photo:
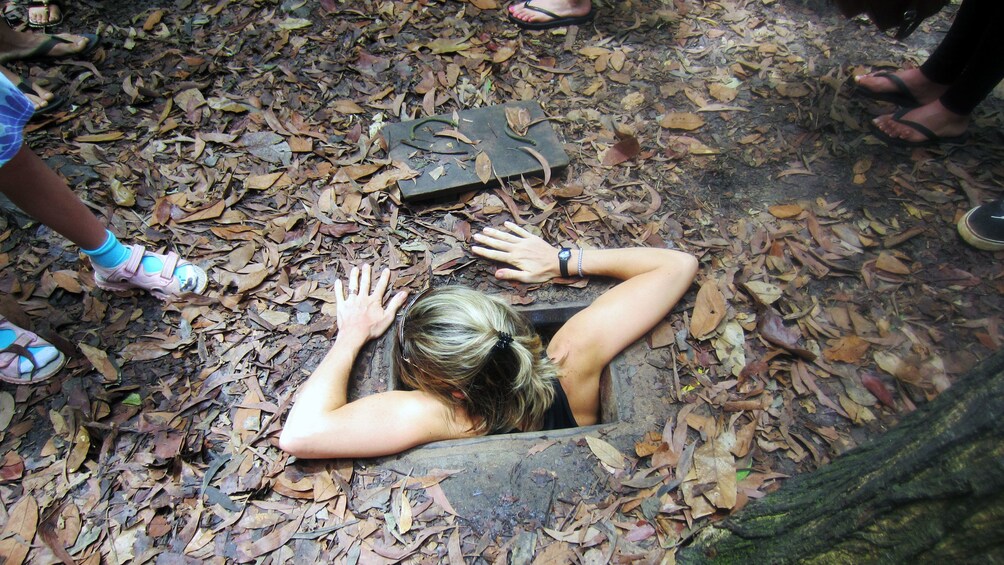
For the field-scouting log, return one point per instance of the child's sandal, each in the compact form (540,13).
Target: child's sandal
(10,357)
(164,284)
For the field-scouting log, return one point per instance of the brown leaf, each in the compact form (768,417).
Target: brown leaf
(518,119)
(404,520)
(890,264)
(15,540)
(627,148)
(67,280)
(605,452)
(772,329)
(709,310)
(99,358)
(261,182)
(100,137)
(715,465)
(214,210)
(485,4)
(269,543)
(848,349)
(681,120)
(785,211)
(878,389)
(346,107)
(152,20)
(78,454)
(454,134)
(483,167)
(543,163)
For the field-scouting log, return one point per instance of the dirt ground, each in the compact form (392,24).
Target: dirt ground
(244,135)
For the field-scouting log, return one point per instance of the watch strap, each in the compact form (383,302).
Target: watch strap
(563,256)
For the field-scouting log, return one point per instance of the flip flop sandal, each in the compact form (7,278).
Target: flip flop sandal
(10,356)
(555,21)
(901,97)
(931,138)
(47,6)
(12,14)
(164,285)
(44,50)
(51,105)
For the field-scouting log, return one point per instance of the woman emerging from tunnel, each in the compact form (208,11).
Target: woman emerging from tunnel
(477,366)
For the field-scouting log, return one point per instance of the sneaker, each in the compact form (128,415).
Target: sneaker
(165,284)
(983,226)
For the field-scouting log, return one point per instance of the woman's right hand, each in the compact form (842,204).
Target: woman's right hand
(534,259)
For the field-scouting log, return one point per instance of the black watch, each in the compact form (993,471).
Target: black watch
(563,256)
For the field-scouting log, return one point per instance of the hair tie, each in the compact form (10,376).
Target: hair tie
(503,342)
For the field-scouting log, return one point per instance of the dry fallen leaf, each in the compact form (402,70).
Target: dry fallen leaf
(605,452)
(543,163)
(891,264)
(848,349)
(623,150)
(483,167)
(682,120)
(405,518)
(709,310)
(785,211)
(17,535)
(99,358)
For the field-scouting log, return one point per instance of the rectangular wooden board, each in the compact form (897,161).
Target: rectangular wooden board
(449,167)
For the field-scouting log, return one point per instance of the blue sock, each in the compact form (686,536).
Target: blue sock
(111,254)
(43,355)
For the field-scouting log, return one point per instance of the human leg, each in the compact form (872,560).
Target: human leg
(975,35)
(41,193)
(974,21)
(16,45)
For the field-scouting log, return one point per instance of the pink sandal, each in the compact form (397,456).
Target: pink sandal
(10,369)
(165,285)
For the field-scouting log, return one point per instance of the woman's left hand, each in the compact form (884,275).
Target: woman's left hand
(361,314)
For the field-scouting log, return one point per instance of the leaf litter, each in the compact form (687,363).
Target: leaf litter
(833,297)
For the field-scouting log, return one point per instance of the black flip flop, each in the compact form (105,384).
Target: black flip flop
(43,51)
(931,138)
(901,97)
(51,105)
(555,21)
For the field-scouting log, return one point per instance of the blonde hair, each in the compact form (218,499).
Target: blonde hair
(454,339)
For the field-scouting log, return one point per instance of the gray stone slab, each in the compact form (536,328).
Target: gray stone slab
(449,167)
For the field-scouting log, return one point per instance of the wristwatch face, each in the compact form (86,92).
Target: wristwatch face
(563,256)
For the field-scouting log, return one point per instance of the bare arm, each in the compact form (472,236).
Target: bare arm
(654,280)
(322,423)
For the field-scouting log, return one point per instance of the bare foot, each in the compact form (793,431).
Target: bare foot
(934,116)
(918,85)
(562,8)
(44,15)
(39,97)
(20,44)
